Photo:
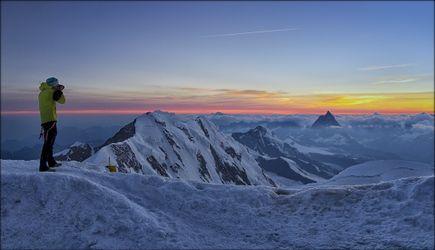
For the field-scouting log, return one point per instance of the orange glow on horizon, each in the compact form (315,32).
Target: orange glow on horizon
(225,111)
(258,102)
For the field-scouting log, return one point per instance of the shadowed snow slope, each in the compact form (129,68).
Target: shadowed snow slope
(377,171)
(80,208)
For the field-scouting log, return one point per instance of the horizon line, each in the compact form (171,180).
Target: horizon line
(227,112)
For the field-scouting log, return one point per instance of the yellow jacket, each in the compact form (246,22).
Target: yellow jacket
(47,105)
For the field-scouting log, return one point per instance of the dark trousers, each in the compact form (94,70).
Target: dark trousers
(50,132)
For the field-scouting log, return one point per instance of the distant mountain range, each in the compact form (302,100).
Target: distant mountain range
(284,159)
(193,148)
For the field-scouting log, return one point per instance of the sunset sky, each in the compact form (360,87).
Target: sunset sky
(234,57)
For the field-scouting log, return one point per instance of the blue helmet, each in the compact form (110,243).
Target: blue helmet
(52,81)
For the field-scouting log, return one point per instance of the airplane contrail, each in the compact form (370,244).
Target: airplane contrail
(374,68)
(250,32)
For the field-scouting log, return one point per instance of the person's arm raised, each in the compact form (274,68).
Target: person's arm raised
(58,95)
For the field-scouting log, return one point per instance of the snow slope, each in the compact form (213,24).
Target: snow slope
(80,208)
(378,171)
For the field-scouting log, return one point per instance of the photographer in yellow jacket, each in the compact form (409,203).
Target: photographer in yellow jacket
(51,92)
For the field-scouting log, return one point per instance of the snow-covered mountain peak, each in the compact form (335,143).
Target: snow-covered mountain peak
(257,138)
(180,147)
(284,159)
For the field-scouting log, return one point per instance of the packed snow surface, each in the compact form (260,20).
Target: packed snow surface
(80,208)
(378,171)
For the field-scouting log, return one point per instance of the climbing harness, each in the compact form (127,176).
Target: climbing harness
(45,133)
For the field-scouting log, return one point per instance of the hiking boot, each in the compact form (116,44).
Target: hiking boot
(46,169)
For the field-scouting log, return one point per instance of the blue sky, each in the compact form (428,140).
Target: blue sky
(148,55)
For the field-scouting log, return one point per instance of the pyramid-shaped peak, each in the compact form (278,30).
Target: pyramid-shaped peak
(326,120)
